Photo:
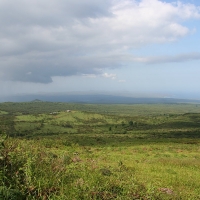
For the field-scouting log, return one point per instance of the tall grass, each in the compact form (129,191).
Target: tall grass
(36,169)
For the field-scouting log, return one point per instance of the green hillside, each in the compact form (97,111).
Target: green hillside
(77,151)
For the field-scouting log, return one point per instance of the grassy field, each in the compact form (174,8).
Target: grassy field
(99,151)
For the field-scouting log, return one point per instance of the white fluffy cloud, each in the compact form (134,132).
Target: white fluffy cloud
(43,39)
(111,76)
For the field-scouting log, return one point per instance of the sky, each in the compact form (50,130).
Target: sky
(141,48)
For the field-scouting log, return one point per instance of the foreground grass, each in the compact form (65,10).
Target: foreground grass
(57,168)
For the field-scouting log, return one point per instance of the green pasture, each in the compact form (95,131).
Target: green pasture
(3,112)
(99,152)
(80,122)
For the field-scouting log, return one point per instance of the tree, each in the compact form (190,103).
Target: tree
(130,123)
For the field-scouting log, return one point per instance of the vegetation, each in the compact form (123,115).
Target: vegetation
(74,151)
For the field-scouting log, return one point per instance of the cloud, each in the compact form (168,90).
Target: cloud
(167,59)
(111,76)
(89,75)
(63,38)
(122,81)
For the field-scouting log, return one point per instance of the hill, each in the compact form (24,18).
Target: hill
(95,99)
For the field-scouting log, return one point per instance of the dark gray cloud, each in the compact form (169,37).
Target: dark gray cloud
(50,12)
(43,68)
(43,39)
